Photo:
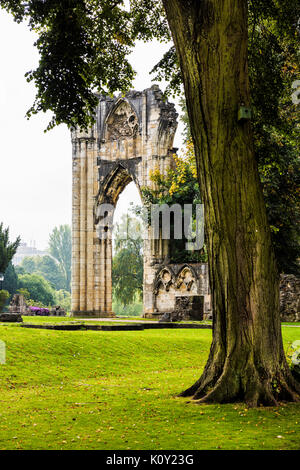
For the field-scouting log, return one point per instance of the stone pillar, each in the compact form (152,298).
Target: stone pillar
(91,162)
(83,224)
(96,273)
(108,279)
(75,227)
(102,276)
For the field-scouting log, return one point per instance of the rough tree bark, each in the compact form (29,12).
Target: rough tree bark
(246,360)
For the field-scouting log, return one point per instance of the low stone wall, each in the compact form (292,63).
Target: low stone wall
(179,292)
(19,305)
(289,298)
(187,307)
(11,317)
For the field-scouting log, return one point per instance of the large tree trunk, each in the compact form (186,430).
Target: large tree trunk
(246,361)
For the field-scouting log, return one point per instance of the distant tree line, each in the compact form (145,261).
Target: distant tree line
(43,280)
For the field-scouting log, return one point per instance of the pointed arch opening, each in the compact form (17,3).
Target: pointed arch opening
(127,255)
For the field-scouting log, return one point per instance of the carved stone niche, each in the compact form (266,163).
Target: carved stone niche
(177,294)
(186,282)
(164,291)
(122,123)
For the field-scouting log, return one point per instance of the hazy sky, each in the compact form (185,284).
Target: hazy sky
(35,171)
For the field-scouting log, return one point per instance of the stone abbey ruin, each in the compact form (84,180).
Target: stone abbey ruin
(132,136)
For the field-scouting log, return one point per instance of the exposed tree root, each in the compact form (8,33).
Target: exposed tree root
(245,385)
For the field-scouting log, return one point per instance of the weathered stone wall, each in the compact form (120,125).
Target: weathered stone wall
(289,298)
(174,281)
(18,305)
(132,136)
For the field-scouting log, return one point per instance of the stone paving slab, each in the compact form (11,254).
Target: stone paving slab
(10,317)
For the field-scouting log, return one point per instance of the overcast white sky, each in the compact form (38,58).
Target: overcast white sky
(35,170)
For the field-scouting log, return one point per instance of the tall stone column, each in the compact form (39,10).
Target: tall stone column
(83,223)
(102,284)
(108,278)
(75,283)
(91,162)
(97,249)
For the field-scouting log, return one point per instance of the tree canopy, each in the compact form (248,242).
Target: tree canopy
(83,47)
(38,288)
(10,282)
(60,247)
(7,249)
(47,267)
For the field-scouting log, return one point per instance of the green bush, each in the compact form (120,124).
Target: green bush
(4,296)
(39,289)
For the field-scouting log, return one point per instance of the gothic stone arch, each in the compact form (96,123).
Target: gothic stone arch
(132,136)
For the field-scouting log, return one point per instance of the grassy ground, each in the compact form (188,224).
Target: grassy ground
(117,390)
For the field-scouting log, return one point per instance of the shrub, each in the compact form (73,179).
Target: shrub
(39,310)
(39,289)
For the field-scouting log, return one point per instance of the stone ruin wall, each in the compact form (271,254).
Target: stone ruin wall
(132,136)
(289,298)
(175,283)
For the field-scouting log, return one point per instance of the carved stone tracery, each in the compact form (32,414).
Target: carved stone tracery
(185,279)
(122,123)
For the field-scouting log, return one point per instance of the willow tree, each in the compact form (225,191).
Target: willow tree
(84,44)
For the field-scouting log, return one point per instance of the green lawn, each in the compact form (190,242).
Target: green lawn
(117,390)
